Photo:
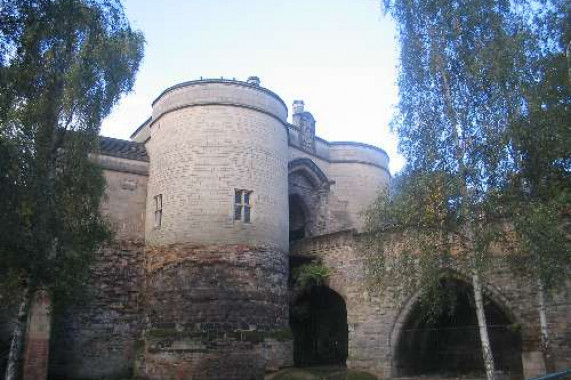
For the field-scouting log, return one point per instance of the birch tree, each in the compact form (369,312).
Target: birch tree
(63,65)
(538,198)
(465,67)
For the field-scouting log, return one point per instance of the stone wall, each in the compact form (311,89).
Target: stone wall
(355,184)
(359,185)
(369,319)
(124,204)
(311,203)
(215,312)
(97,337)
(375,320)
(199,157)
(37,342)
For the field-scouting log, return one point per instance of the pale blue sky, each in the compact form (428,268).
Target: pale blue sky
(339,56)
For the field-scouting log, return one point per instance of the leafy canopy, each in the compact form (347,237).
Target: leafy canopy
(483,113)
(63,65)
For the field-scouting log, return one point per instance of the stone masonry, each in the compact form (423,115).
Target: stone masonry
(212,200)
(376,320)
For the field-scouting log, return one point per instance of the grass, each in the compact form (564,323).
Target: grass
(321,373)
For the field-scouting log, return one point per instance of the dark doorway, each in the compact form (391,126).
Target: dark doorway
(318,319)
(297,218)
(449,343)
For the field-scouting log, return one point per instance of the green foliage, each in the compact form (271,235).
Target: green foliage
(483,121)
(295,374)
(542,244)
(417,238)
(253,336)
(63,65)
(308,275)
(322,373)
(537,198)
(360,375)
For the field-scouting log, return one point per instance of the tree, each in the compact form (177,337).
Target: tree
(63,65)
(467,69)
(538,196)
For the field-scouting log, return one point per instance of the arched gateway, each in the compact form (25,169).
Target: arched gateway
(447,343)
(318,319)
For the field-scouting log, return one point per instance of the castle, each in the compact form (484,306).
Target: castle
(214,201)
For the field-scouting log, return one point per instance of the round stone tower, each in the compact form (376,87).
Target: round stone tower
(217,233)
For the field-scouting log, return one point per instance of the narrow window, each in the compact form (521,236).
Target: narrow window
(158,209)
(242,205)
(247,207)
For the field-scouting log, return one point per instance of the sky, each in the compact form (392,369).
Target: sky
(338,56)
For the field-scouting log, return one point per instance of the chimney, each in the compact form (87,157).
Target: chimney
(306,123)
(298,106)
(254,81)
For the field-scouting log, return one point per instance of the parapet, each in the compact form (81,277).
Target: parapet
(354,152)
(204,92)
(220,92)
(340,151)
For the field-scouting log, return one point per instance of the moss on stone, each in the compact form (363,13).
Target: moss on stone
(252,336)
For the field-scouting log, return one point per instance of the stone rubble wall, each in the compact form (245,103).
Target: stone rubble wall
(98,336)
(215,312)
(375,318)
(37,341)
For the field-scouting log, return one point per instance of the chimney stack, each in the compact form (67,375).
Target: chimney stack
(254,81)
(298,106)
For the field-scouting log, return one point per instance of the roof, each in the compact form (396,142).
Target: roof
(122,148)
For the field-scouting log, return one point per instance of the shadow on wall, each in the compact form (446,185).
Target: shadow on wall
(449,344)
(318,319)
(297,218)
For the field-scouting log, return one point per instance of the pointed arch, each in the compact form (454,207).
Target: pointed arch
(311,171)
(410,329)
(308,197)
(318,319)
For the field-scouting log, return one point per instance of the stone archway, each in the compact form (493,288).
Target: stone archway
(448,344)
(308,196)
(299,218)
(318,319)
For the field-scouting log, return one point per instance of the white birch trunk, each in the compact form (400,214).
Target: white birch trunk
(543,323)
(483,327)
(568,53)
(17,340)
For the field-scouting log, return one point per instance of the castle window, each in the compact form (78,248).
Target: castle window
(158,209)
(242,205)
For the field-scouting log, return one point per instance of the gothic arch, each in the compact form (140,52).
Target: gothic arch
(311,171)
(411,306)
(300,217)
(318,319)
(308,198)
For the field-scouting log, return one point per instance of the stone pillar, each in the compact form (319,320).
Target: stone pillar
(38,338)
(533,364)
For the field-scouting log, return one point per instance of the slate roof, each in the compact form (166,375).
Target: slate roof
(122,148)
